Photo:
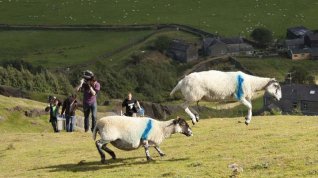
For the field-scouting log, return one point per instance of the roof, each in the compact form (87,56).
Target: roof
(300,92)
(293,42)
(299,30)
(300,51)
(233,40)
(207,42)
(179,45)
(313,36)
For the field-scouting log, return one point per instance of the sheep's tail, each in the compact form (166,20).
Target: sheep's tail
(177,87)
(95,132)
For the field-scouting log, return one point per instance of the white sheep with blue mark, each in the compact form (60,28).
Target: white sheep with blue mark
(217,85)
(129,133)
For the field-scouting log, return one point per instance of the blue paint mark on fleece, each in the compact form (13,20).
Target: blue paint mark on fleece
(239,88)
(147,130)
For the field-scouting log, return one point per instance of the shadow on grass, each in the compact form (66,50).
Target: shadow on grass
(84,166)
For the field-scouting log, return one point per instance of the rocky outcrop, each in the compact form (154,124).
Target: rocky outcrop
(159,111)
(29,113)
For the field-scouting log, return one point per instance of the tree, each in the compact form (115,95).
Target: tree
(162,43)
(300,75)
(262,35)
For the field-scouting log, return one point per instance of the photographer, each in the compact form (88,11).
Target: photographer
(90,87)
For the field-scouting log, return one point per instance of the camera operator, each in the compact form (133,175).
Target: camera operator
(90,87)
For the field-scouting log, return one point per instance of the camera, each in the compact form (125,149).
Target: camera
(87,75)
(51,98)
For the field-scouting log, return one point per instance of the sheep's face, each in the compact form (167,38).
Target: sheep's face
(274,89)
(181,126)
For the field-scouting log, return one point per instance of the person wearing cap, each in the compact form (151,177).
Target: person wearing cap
(90,88)
(69,107)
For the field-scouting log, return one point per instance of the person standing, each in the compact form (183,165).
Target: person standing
(131,105)
(90,88)
(54,112)
(69,107)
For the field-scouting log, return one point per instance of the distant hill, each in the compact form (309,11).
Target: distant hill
(117,56)
(229,17)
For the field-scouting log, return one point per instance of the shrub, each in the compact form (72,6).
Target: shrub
(262,35)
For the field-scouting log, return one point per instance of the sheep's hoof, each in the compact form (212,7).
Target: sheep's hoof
(193,123)
(149,159)
(247,121)
(197,117)
(162,154)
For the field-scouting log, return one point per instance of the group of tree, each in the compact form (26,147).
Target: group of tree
(18,75)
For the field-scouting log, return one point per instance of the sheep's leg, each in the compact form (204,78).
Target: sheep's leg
(248,104)
(109,151)
(99,145)
(146,146)
(194,118)
(159,151)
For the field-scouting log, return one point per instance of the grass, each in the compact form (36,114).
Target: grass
(59,48)
(54,49)
(15,121)
(272,146)
(226,18)
(119,60)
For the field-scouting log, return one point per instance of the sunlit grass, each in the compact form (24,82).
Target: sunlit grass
(272,146)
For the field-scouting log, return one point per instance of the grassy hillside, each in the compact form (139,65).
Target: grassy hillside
(15,121)
(277,67)
(276,146)
(62,48)
(226,18)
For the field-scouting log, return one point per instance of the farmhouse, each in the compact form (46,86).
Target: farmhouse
(213,47)
(296,97)
(230,46)
(182,51)
(301,43)
(311,40)
(299,54)
(297,43)
(297,32)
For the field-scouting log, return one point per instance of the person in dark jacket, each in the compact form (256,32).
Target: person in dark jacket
(69,107)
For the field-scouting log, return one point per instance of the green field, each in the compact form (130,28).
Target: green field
(62,48)
(15,121)
(227,18)
(272,146)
